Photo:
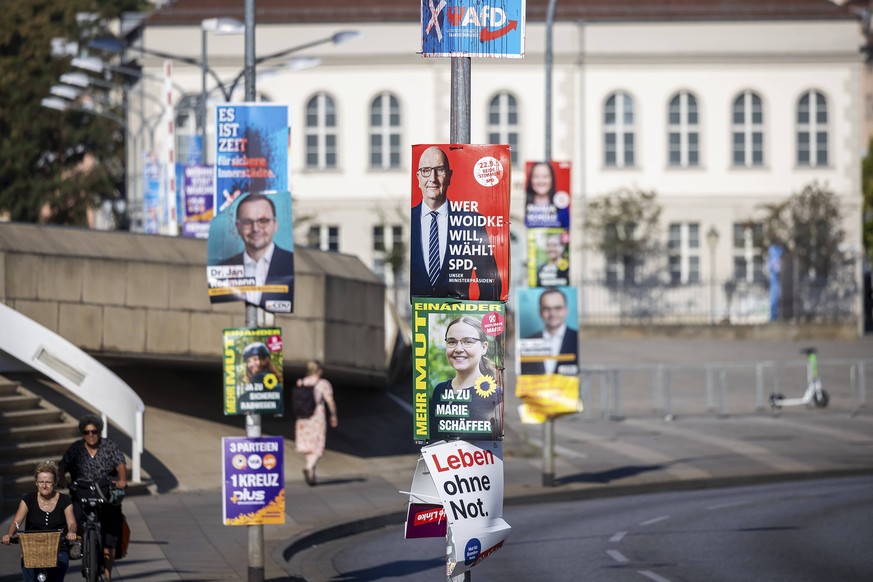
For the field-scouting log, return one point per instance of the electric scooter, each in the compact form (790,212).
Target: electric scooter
(814,396)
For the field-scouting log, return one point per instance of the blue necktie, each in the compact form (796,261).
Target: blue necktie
(433,260)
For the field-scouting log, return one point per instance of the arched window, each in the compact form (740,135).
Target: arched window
(385,132)
(618,130)
(812,129)
(503,122)
(683,131)
(321,136)
(748,130)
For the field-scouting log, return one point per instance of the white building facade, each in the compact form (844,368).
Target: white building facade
(717,113)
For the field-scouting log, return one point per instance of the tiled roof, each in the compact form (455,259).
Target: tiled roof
(188,12)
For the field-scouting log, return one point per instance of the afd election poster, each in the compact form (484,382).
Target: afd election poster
(473,28)
(250,252)
(548,351)
(459,222)
(468,479)
(458,358)
(253,480)
(198,195)
(547,195)
(548,261)
(253,381)
(252,144)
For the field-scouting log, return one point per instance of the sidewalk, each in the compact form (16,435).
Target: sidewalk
(177,532)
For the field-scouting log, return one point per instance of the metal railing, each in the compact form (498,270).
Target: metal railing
(719,389)
(731,301)
(57,358)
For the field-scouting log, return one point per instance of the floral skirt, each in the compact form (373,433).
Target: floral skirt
(311,433)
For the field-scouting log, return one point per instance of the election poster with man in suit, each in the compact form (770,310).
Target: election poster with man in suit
(459,231)
(548,349)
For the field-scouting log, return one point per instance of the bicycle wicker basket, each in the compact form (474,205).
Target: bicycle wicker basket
(39,549)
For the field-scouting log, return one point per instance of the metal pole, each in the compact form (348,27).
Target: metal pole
(550,20)
(250,52)
(712,285)
(202,109)
(459,132)
(253,421)
(460,117)
(549,453)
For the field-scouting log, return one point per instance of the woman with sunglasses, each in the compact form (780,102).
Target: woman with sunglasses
(470,405)
(96,458)
(45,509)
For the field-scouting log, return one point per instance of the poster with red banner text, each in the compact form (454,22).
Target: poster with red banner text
(459,231)
(468,478)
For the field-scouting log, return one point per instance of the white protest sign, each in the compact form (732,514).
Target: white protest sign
(469,481)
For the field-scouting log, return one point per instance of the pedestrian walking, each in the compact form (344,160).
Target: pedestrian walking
(311,396)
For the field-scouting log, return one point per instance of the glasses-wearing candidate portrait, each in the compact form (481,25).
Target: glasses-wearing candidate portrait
(470,402)
(441,265)
(556,339)
(257,225)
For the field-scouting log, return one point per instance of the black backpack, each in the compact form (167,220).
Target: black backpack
(303,400)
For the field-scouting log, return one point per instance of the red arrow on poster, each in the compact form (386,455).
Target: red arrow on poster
(485,35)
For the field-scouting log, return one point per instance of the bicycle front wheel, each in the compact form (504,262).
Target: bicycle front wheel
(91,557)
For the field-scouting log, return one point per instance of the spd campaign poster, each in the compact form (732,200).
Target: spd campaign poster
(252,143)
(548,260)
(253,480)
(253,379)
(254,231)
(198,195)
(458,353)
(547,195)
(548,352)
(473,28)
(459,222)
(468,479)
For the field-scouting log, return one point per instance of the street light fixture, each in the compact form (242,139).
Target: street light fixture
(336,38)
(712,241)
(65,91)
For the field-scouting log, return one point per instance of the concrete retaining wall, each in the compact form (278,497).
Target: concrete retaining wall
(132,296)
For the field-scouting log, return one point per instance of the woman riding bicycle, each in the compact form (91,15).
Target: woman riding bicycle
(96,458)
(45,510)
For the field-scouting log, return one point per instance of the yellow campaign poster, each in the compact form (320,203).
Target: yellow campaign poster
(547,396)
(547,343)
(458,353)
(253,380)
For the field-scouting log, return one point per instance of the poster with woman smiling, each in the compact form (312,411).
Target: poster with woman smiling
(547,195)
(458,369)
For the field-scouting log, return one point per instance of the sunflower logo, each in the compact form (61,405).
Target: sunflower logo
(485,386)
(270,381)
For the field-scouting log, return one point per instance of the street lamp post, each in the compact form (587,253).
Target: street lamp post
(712,241)
(217,26)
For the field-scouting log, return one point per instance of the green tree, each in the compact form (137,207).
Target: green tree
(624,226)
(867,189)
(55,165)
(808,225)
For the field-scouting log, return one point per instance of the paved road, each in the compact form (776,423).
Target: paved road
(799,531)
(177,531)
